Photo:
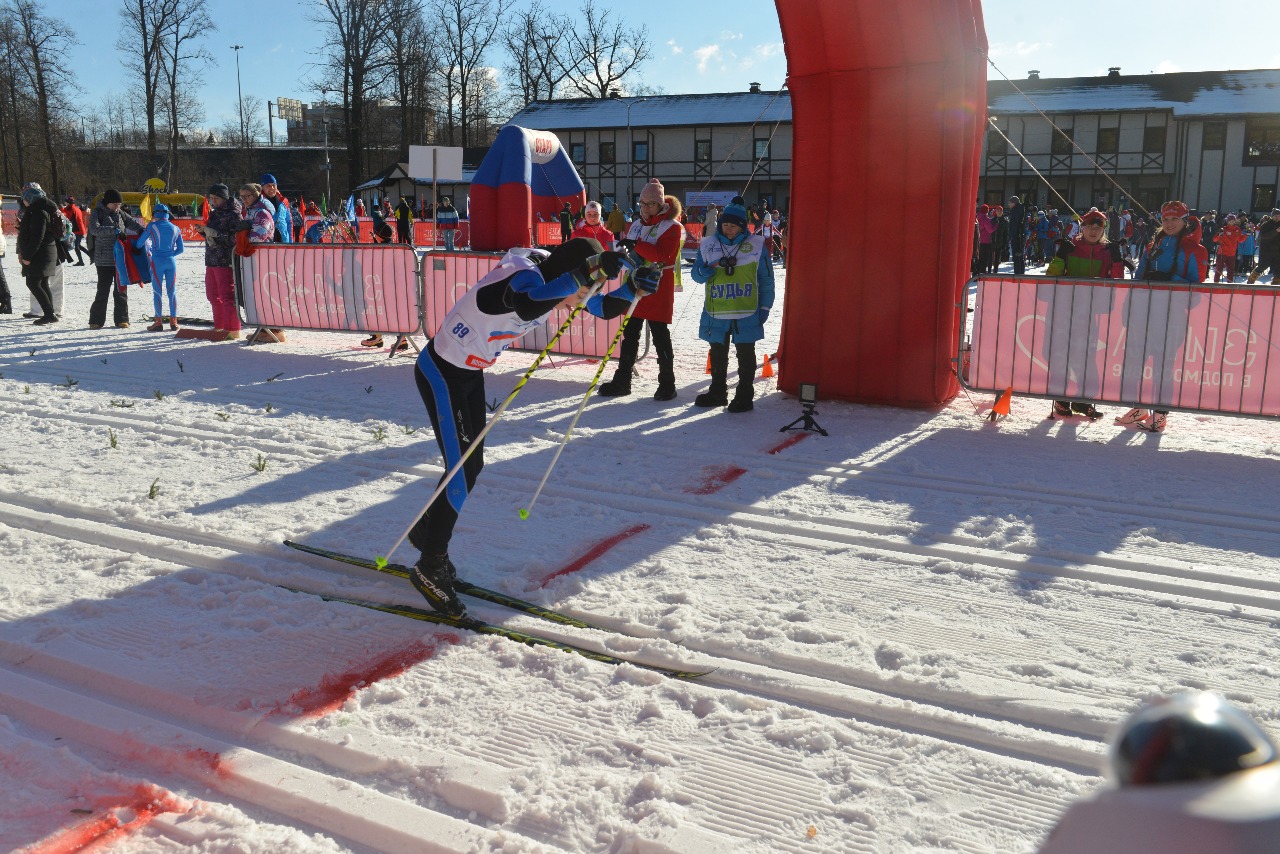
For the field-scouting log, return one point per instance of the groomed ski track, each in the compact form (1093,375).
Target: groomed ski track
(912,650)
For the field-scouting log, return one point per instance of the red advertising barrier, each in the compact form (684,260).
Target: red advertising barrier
(1155,345)
(448,275)
(337,287)
(423,232)
(9,222)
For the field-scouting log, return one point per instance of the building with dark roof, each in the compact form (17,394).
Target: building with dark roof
(1211,138)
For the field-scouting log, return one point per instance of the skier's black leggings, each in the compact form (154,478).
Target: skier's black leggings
(459,392)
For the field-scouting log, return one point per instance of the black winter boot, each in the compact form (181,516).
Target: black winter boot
(432,578)
(666,377)
(718,394)
(746,393)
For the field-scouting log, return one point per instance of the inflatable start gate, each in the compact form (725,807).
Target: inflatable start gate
(525,175)
(888,102)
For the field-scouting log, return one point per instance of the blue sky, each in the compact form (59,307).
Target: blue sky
(720,47)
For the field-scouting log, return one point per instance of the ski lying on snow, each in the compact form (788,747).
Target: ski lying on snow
(464,587)
(481,627)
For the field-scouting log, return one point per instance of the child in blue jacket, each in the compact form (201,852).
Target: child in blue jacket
(163,242)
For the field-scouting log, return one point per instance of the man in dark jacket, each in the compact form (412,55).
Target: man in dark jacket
(566,223)
(404,221)
(1018,234)
(38,236)
(106,224)
(1268,246)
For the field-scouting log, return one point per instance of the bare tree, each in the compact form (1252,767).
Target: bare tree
(535,43)
(146,25)
(180,53)
(414,56)
(468,29)
(358,65)
(11,118)
(45,43)
(604,52)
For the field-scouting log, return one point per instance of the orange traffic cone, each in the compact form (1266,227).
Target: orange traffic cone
(1000,408)
(708,361)
(767,370)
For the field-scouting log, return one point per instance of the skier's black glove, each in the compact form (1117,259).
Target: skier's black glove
(625,245)
(242,225)
(1064,249)
(646,280)
(598,268)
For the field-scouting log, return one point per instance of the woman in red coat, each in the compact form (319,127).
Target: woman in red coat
(656,235)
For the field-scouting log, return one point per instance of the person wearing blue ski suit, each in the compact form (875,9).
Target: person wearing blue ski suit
(163,242)
(737,271)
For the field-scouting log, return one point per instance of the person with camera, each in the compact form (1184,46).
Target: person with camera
(511,301)
(1175,254)
(735,268)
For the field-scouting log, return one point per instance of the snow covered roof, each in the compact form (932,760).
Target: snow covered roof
(725,108)
(400,172)
(1186,94)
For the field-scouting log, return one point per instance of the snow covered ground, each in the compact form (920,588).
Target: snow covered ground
(922,628)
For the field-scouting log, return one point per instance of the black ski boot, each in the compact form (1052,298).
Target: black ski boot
(619,386)
(432,578)
(1088,410)
(746,393)
(718,394)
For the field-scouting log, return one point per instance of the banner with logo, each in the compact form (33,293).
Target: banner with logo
(1157,345)
(351,287)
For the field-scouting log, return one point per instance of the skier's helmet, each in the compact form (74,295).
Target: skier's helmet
(1185,738)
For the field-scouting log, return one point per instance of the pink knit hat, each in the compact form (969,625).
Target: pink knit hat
(653,192)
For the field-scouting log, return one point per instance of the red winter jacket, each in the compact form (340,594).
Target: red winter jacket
(665,249)
(73,213)
(595,232)
(1228,239)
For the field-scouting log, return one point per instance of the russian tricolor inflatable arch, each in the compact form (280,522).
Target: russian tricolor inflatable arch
(889,109)
(525,174)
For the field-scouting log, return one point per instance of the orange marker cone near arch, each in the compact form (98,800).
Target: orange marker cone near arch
(767,370)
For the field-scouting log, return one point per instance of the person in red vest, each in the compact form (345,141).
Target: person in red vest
(73,213)
(655,236)
(1228,239)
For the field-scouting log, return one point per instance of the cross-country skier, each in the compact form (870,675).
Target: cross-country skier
(508,303)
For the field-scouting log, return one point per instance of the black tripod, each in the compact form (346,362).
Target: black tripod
(805,421)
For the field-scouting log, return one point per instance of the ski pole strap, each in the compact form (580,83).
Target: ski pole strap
(524,513)
(457,467)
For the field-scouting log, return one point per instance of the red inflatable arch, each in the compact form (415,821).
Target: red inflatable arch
(889,107)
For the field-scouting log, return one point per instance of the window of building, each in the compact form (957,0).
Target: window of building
(640,151)
(578,152)
(608,152)
(1264,197)
(1215,136)
(1108,140)
(1063,141)
(996,144)
(1153,139)
(702,150)
(762,149)
(1262,142)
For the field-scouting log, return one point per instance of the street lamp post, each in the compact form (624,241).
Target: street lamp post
(631,148)
(240,94)
(328,168)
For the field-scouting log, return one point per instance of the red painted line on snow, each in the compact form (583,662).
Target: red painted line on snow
(595,552)
(717,478)
(117,822)
(335,689)
(793,439)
